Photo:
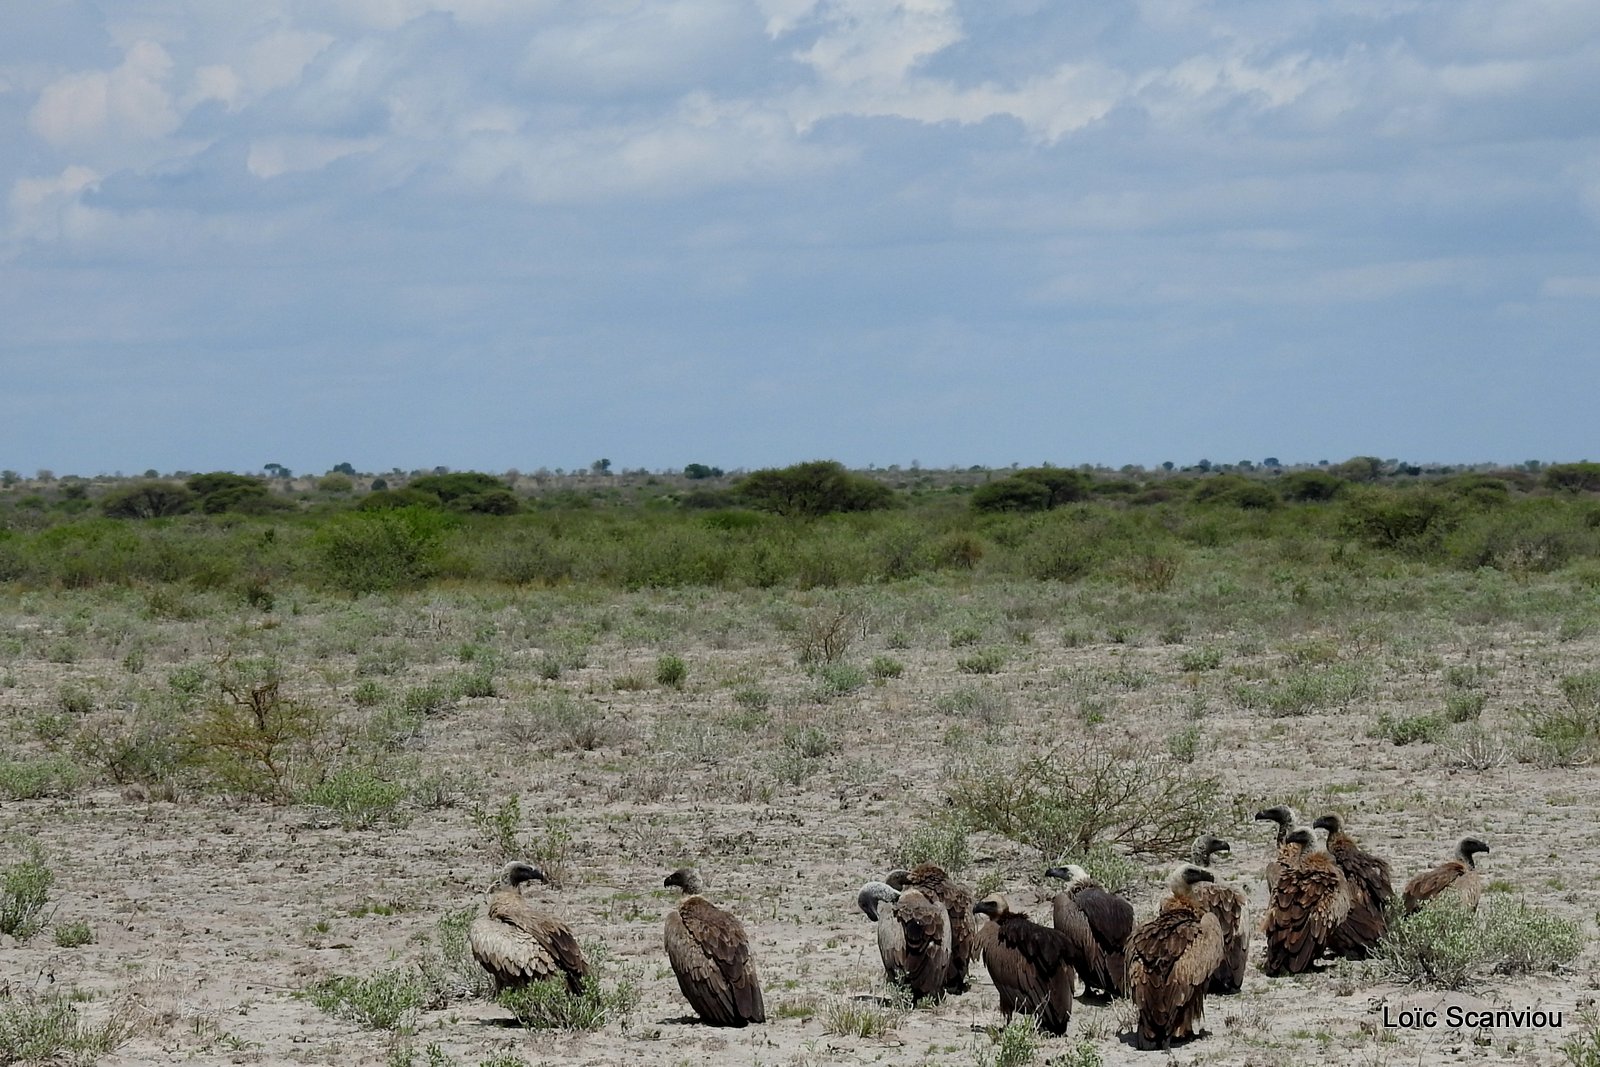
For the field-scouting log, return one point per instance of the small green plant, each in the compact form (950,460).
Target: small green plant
(838,679)
(941,843)
(448,969)
(1445,945)
(984,661)
(73,934)
(671,671)
(1406,729)
(29,779)
(883,668)
(385,1000)
(752,698)
(1196,660)
(360,797)
(1582,1049)
(550,1005)
(1464,706)
(501,829)
(549,668)
(965,636)
(422,700)
(369,693)
(24,892)
(1184,745)
(1015,1046)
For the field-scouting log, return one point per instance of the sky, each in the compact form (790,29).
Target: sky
(493,234)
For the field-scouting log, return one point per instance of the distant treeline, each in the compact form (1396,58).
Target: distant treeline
(809,525)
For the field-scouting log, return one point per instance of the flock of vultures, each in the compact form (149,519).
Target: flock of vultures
(1328,898)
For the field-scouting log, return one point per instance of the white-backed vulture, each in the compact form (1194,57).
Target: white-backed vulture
(1459,874)
(710,954)
(1171,959)
(1110,920)
(1229,906)
(1032,966)
(956,900)
(913,937)
(1371,890)
(1309,902)
(516,944)
(1288,855)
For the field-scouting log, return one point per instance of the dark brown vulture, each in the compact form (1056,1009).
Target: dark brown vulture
(1110,920)
(1309,902)
(518,945)
(931,880)
(1371,890)
(711,957)
(1459,874)
(1288,855)
(1229,906)
(1032,966)
(1171,959)
(913,937)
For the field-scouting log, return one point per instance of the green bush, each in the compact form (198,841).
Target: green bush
(671,671)
(1406,729)
(359,796)
(147,500)
(1445,945)
(549,1005)
(369,552)
(809,490)
(72,934)
(29,779)
(384,1000)
(49,1031)
(941,843)
(24,892)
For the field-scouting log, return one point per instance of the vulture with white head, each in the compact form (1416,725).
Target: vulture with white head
(1032,966)
(518,945)
(1109,919)
(913,937)
(1371,890)
(1309,902)
(1171,960)
(1229,906)
(1459,874)
(1288,854)
(710,955)
(933,883)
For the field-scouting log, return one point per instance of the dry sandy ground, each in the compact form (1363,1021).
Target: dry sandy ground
(209,915)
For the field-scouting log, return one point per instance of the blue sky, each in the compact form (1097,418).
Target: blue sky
(522,233)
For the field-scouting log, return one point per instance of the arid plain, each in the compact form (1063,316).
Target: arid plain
(792,745)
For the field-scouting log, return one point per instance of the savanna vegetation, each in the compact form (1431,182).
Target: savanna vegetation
(317,713)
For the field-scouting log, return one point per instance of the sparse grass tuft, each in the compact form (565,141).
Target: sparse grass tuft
(360,797)
(73,934)
(942,843)
(50,1031)
(1015,1046)
(1406,729)
(848,1017)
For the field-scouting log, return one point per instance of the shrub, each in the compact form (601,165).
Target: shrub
(1413,519)
(147,500)
(253,739)
(848,1017)
(1405,729)
(837,680)
(986,661)
(359,796)
(883,668)
(1010,494)
(809,490)
(1200,659)
(559,720)
(1445,945)
(448,969)
(1573,477)
(1125,792)
(549,1005)
(1015,1046)
(941,843)
(73,934)
(51,776)
(671,671)
(24,892)
(378,551)
(825,634)
(1464,707)
(385,1000)
(1306,486)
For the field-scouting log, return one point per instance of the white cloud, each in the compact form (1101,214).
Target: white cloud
(272,156)
(1572,287)
(129,102)
(37,204)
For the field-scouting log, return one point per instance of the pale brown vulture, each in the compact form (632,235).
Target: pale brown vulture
(913,937)
(518,945)
(1229,906)
(1288,855)
(1110,920)
(956,899)
(1171,959)
(1459,874)
(711,957)
(1371,890)
(1032,966)
(1309,902)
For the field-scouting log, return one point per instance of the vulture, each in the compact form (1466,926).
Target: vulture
(913,937)
(1309,902)
(1032,966)
(516,944)
(711,957)
(1459,873)
(1110,921)
(1288,854)
(933,883)
(1228,905)
(1172,958)
(1371,890)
